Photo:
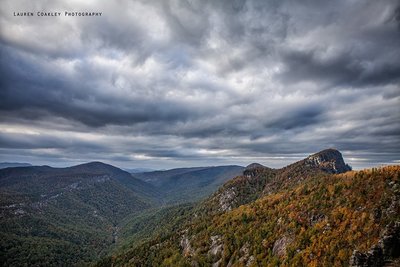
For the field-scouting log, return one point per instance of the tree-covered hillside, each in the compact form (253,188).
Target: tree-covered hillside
(314,212)
(76,215)
(307,214)
(66,216)
(189,184)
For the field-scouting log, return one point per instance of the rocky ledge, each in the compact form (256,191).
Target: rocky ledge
(329,160)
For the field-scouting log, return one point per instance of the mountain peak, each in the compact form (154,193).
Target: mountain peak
(254,166)
(94,163)
(253,170)
(329,160)
(98,167)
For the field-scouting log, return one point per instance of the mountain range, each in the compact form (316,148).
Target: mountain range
(76,213)
(4,165)
(314,212)
(189,184)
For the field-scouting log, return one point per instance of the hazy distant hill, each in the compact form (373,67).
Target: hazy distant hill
(314,212)
(139,170)
(4,165)
(189,184)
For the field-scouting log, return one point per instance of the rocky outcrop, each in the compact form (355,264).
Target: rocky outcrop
(315,218)
(216,250)
(373,258)
(226,199)
(280,246)
(185,245)
(390,241)
(387,249)
(246,259)
(216,247)
(329,160)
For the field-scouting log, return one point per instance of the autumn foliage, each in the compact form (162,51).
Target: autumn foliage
(318,222)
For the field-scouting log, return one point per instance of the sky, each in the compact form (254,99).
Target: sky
(178,83)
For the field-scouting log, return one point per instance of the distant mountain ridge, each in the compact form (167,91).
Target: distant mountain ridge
(183,184)
(87,206)
(138,170)
(4,165)
(312,212)
(66,209)
(59,178)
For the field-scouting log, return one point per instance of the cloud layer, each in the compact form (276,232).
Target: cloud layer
(180,83)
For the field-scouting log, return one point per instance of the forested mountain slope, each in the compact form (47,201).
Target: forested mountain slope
(73,216)
(314,212)
(65,216)
(189,184)
(258,180)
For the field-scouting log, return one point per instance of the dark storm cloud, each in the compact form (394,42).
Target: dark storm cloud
(343,70)
(28,90)
(24,141)
(201,82)
(396,17)
(299,118)
(353,50)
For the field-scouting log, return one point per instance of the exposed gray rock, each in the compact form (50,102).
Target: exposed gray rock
(226,199)
(216,247)
(387,248)
(358,258)
(315,218)
(250,261)
(19,212)
(217,264)
(390,241)
(185,244)
(394,207)
(280,245)
(329,160)
(373,258)
(244,252)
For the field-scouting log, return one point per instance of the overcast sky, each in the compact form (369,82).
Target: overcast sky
(165,84)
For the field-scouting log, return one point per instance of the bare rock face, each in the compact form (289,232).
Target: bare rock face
(390,241)
(227,198)
(280,246)
(244,252)
(329,160)
(185,244)
(358,259)
(216,250)
(387,249)
(216,247)
(217,264)
(373,258)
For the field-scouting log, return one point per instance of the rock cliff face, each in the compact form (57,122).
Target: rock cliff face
(329,160)
(387,249)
